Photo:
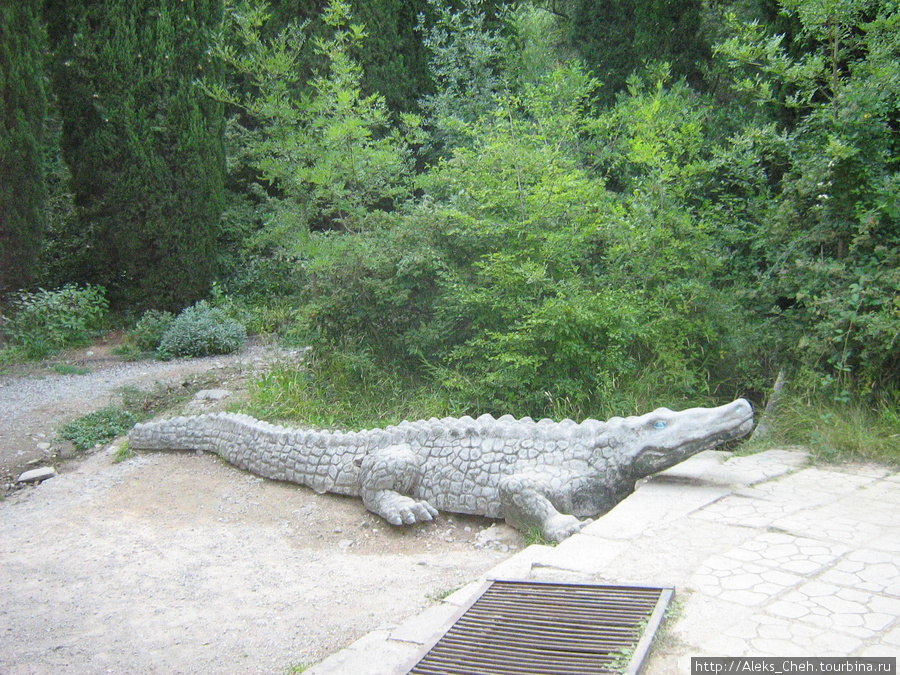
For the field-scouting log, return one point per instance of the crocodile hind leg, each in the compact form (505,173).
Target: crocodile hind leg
(531,500)
(387,477)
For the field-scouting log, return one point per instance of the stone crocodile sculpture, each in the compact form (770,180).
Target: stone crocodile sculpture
(534,474)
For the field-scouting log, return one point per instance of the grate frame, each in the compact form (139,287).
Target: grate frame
(556,625)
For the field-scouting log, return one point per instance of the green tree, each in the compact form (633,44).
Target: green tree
(826,251)
(325,153)
(144,144)
(22,109)
(393,57)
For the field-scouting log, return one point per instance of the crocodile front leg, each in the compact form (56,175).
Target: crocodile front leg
(387,477)
(528,501)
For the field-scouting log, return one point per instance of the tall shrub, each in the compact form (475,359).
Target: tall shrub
(323,154)
(464,60)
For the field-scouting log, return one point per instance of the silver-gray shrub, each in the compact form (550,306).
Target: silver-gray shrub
(202,330)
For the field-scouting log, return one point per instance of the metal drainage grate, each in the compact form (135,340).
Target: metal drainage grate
(531,628)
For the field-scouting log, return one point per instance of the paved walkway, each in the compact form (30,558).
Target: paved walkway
(768,557)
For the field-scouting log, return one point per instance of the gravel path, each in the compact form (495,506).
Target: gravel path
(180,563)
(35,404)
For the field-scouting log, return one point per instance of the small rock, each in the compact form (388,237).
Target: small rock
(345,544)
(306,510)
(43,446)
(66,450)
(37,475)
(489,535)
(212,394)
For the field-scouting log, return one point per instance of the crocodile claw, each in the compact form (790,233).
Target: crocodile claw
(561,527)
(402,510)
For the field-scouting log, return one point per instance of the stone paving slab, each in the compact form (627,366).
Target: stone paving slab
(424,627)
(768,556)
(868,570)
(373,654)
(764,635)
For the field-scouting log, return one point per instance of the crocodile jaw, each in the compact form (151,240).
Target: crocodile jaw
(665,438)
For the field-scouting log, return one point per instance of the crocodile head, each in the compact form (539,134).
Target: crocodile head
(663,438)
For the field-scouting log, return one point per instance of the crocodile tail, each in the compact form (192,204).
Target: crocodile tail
(200,432)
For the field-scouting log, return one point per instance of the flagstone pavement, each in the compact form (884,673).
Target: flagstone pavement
(768,556)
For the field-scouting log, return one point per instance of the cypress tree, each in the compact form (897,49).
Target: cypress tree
(394,59)
(144,144)
(22,108)
(616,37)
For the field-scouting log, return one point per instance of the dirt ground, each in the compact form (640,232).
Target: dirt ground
(180,563)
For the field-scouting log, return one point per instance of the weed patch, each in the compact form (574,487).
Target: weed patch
(297,668)
(123,453)
(534,535)
(440,596)
(144,404)
(98,427)
(107,423)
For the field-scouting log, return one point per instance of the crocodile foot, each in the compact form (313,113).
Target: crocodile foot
(399,509)
(560,527)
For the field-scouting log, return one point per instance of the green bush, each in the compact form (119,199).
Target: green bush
(149,331)
(47,321)
(522,285)
(202,330)
(378,288)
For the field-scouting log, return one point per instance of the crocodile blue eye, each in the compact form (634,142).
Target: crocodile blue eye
(659,425)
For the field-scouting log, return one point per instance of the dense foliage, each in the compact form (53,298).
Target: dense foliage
(825,248)
(619,36)
(556,208)
(45,322)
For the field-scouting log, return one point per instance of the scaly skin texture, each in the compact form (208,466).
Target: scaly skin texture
(534,474)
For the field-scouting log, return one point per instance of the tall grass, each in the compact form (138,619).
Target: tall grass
(347,390)
(839,431)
